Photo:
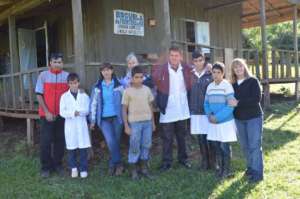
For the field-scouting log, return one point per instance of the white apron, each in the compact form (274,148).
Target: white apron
(76,128)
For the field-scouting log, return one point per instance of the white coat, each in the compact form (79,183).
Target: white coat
(76,128)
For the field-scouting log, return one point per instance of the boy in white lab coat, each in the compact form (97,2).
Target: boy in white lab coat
(74,107)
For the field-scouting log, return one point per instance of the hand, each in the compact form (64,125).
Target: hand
(76,113)
(49,116)
(127,130)
(153,127)
(92,127)
(212,119)
(233,102)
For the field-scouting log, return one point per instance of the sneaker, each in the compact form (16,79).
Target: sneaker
(74,173)
(45,174)
(83,174)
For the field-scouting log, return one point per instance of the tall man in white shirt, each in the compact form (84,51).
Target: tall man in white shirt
(173,83)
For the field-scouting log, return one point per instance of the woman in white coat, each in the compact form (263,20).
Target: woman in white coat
(74,107)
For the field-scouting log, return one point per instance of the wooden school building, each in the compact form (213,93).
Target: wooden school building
(91,32)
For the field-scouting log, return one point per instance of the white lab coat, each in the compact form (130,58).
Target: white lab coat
(76,128)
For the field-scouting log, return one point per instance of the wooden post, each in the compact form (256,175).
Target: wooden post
(78,40)
(30,131)
(296,57)
(228,56)
(266,86)
(14,56)
(163,28)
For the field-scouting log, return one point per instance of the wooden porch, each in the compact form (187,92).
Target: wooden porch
(17,97)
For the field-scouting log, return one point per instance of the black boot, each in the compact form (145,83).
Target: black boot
(134,172)
(204,161)
(145,169)
(226,167)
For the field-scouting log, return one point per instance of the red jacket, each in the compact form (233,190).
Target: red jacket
(51,84)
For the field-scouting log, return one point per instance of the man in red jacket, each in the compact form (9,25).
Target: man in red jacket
(173,83)
(51,84)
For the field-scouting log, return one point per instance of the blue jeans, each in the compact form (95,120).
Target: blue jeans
(111,130)
(83,159)
(140,141)
(250,138)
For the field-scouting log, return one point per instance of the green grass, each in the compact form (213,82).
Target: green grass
(19,166)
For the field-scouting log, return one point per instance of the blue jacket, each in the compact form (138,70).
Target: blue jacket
(96,104)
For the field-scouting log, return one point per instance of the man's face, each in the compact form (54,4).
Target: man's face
(56,63)
(74,85)
(175,58)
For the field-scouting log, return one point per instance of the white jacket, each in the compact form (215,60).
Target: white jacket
(76,128)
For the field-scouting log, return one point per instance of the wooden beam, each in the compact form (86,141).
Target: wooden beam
(267,102)
(272,7)
(5,2)
(163,28)
(267,11)
(30,131)
(78,39)
(14,56)
(296,57)
(222,5)
(19,7)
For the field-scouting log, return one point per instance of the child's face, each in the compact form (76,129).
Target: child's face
(217,75)
(137,79)
(199,63)
(74,85)
(56,63)
(107,73)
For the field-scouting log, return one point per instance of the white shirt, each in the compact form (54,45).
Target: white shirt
(177,107)
(239,81)
(76,129)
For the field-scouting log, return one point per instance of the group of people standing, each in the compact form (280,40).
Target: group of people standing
(219,111)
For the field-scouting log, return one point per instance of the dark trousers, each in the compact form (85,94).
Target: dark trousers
(83,159)
(52,143)
(168,131)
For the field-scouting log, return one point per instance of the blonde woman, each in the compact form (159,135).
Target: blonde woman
(248,116)
(131,61)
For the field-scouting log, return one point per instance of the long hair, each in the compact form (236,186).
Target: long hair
(109,66)
(241,62)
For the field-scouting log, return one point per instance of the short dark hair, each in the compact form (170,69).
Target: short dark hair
(175,49)
(197,53)
(73,77)
(106,65)
(137,70)
(219,66)
(56,56)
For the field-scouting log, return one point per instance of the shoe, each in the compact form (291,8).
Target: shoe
(248,173)
(45,174)
(119,170)
(83,174)
(185,164)
(145,169)
(165,167)
(134,172)
(74,173)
